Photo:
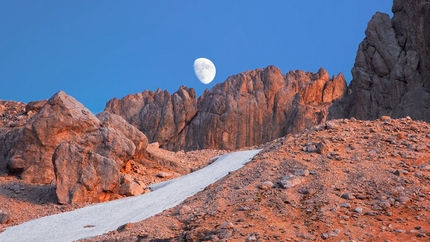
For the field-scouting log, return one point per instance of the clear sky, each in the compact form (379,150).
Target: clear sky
(96,50)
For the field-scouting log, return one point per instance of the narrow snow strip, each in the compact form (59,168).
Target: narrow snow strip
(100,218)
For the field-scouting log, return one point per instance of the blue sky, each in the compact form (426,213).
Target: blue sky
(97,50)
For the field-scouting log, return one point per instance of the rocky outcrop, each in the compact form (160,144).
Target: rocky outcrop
(391,74)
(132,133)
(13,115)
(160,116)
(247,109)
(84,176)
(64,119)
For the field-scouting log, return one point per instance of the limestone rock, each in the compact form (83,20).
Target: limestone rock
(132,133)
(62,119)
(4,217)
(83,175)
(160,116)
(391,74)
(131,189)
(233,114)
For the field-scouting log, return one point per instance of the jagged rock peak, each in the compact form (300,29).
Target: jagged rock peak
(247,109)
(391,74)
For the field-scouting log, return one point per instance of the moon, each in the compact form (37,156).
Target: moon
(205,70)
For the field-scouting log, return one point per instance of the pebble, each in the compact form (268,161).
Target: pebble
(184,210)
(358,210)
(163,174)
(251,238)
(301,173)
(425,167)
(4,217)
(403,199)
(266,185)
(227,225)
(345,205)
(347,196)
(290,181)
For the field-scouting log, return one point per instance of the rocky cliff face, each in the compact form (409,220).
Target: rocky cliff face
(247,109)
(391,74)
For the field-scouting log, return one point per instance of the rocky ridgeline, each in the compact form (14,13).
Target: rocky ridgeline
(247,109)
(391,74)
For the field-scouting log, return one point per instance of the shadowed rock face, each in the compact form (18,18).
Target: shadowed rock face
(247,109)
(391,74)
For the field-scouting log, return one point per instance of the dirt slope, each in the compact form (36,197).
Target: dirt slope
(345,180)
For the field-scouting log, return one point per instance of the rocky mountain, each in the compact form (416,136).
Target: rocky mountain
(247,109)
(391,74)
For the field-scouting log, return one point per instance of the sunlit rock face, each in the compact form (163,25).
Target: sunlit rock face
(247,109)
(63,119)
(391,74)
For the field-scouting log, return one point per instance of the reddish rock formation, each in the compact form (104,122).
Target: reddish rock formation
(118,123)
(84,176)
(62,119)
(391,74)
(13,115)
(247,109)
(159,115)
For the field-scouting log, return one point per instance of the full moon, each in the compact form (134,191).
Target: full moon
(205,70)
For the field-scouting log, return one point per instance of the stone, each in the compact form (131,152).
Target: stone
(251,237)
(235,113)
(83,175)
(61,119)
(126,178)
(4,217)
(131,189)
(324,148)
(265,185)
(345,205)
(290,181)
(347,196)
(163,174)
(358,210)
(185,210)
(227,225)
(301,173)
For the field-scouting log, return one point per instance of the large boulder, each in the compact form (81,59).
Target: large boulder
(391,74)
(83,175)
(132,133)
(62,119)
(247,109)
